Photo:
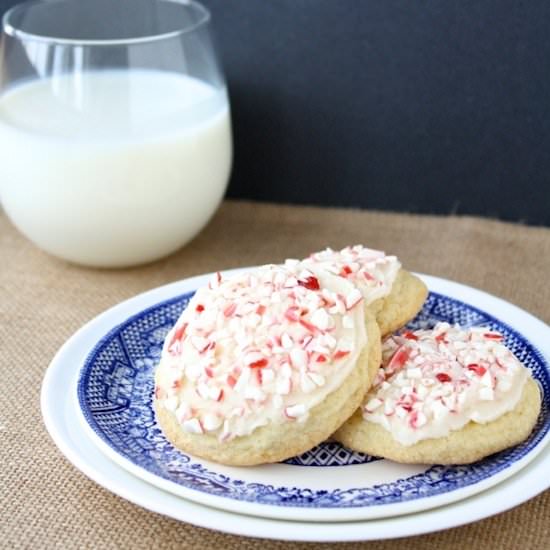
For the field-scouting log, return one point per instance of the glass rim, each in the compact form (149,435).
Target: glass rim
(15,32)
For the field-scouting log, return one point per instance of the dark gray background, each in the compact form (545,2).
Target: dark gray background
(425,106)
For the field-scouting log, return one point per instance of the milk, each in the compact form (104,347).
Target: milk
(113,168)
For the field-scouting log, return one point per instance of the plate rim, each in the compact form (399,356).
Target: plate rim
(172,291)
(519,488)
(155,500)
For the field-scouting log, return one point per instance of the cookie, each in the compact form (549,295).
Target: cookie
(265,365)
(444,396)
(393,294)
(405,300)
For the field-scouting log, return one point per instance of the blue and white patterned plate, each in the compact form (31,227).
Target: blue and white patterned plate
(328,483)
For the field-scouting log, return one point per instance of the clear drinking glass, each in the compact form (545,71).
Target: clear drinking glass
(115,138)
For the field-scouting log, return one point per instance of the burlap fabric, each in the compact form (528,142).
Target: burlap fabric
(46,503)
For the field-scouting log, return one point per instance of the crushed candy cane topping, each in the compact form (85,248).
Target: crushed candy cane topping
(371,271)
(261,347)
(434,381)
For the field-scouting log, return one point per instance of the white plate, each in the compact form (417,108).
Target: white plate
(385,488)
(59,410)
(119,350)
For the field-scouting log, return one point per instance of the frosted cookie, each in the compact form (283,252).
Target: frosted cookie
(393,294)
(405,300)
(444,396)
(265,365)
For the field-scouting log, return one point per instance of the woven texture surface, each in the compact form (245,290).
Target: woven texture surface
(47,503)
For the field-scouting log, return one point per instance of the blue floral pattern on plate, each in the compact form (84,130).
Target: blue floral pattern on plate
(115,390)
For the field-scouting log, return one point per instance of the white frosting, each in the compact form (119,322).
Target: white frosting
(435,381)
(371,271)
(262,347)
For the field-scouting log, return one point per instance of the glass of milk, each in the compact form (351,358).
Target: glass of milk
(115,137)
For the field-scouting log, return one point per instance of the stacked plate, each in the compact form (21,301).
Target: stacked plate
(106,427)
